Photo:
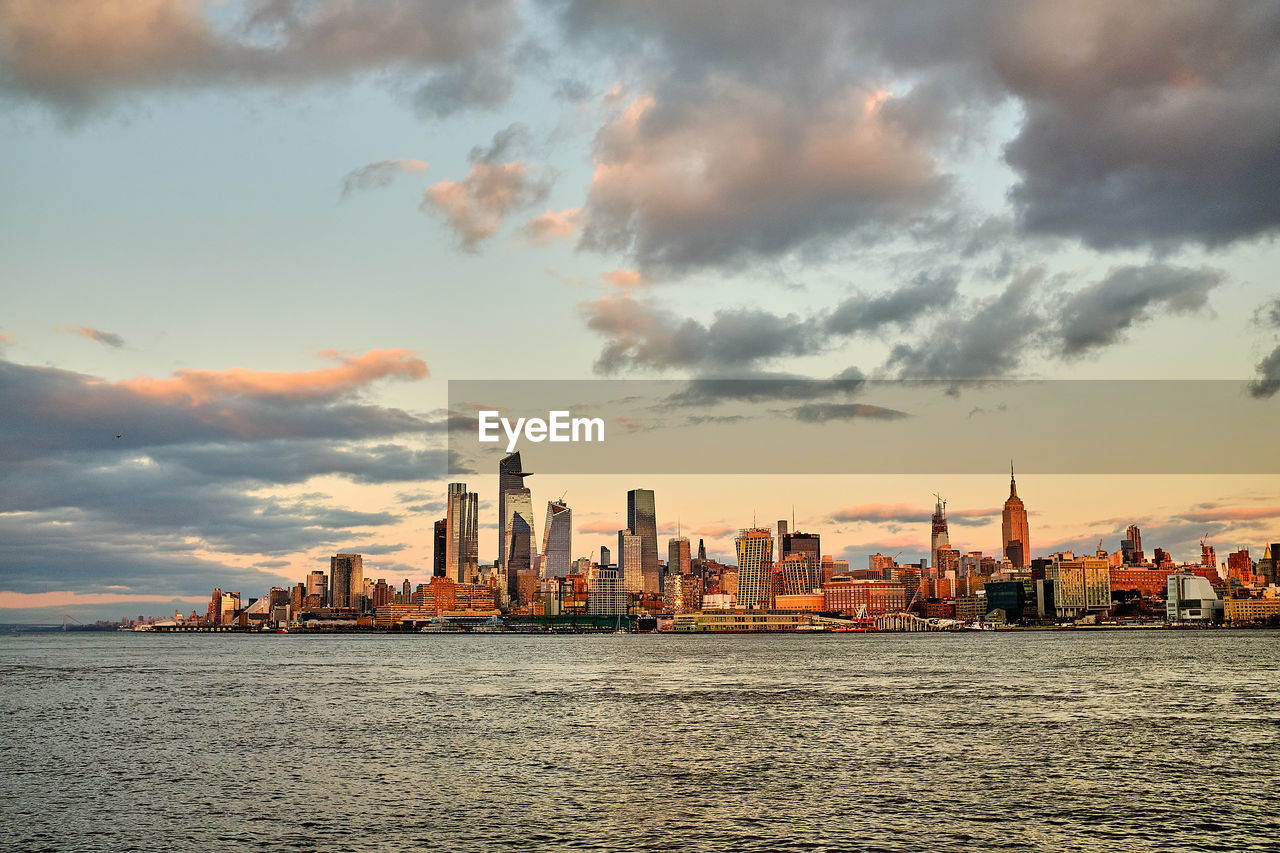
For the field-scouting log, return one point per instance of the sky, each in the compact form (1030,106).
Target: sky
(256,240)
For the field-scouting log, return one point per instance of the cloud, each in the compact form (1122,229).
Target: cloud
(901,307)
(623,278)
(1268,381)
(1098,315)
(606,527)
(380,174)
(816,413)
(1152,129)
(77,54)
(198,387)
(110,339)
(190,481)
(1248,513)
(549,226)
(986,340)
(476,207)
(715,531)
(906,514)
(743,174)
(642,335)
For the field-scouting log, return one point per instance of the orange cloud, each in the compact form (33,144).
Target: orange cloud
(624,278)
(715,531)
(196,387)
(549,226)
(1242,513)
(600,527)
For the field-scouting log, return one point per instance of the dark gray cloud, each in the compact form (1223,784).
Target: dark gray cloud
(1155,128)
(898,308)
(1151,130)
(817,413)
(1098,315)
(765,387)
(1268,381)
(191,471)
(988,340)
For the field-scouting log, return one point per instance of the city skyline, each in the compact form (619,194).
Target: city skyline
(246,247)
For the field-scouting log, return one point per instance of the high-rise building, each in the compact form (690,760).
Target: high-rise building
(754,547)
(782,530)
(1131,546)
(631,561)
(346,581)
(605,556)
(510,476)
(316,582)
(522,543)
(678,562)
(642,520)
(557,540)
(440,547)
(939,539)
(1014,529)
(1208,557)
(809,547)
(462,534)
(702,550)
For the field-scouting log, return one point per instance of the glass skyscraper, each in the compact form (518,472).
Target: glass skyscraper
(510,476)
(642,520)
(557,540)
(462,536)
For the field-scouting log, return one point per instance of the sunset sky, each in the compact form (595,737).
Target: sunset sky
(256,239)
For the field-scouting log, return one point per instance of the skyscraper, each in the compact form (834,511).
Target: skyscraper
(631,561)
(807,546)
(316,582)
(557,539)
(346,581)
(462,534)
(510,476)
(678,562)
(755,568)
(939,539)
(702,550)
(521,542)
(642,520)
(440,547)
(604,555)
(1014,529)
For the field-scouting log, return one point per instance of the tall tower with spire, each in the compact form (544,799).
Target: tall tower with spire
(939,538)
(1014,531)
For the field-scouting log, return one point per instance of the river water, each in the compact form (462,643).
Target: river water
(1106,741)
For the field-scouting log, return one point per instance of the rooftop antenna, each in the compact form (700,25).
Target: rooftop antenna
(793,518)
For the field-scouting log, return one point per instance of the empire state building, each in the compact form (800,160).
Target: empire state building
(1017,537)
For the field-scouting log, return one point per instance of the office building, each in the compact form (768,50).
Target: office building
(462,536)
(557,540)
(440,547)
(642,520)
(631,561)
(754,547)
(510,476)
(346,582)
(316,585)
(1191,598)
